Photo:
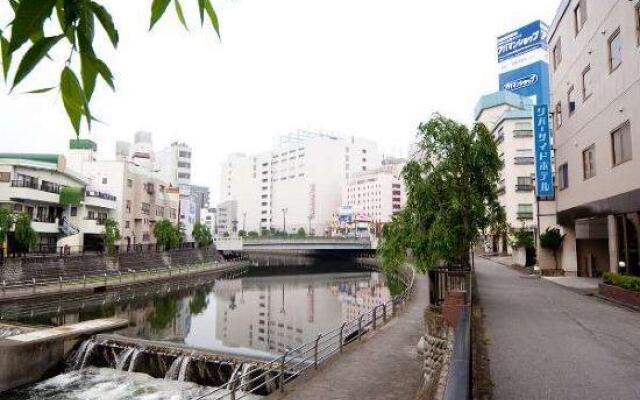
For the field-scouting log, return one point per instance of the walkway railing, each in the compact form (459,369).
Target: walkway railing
(293,363)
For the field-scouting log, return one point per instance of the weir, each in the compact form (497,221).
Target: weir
(174,362)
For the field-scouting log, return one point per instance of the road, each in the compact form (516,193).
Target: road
(547,342)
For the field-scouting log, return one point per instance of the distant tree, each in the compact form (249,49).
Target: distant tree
(26,237)
(242,233)
(75,28)
(167,235)
(202,235)
(6,222)
(266,232)
(111,235)
(301,233)
(552,240)
(253,234)
(226,234)
(451,197)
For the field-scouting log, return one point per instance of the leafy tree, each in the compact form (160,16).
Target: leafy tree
(25,236)
(75,29)
(111,235)
(202,235)
(167,235)
(451,197)
(242,233)
(253,234)
(552,240)
(6,222)
(522,239)
(301,233)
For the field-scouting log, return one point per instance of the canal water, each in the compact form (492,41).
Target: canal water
(261,314)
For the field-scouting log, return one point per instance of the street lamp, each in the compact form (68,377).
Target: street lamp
(284,220)
(310,217)
(244,221)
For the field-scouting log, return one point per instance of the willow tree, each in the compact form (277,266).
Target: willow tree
(74,29)
(6,222)
(202,235)
(452,197)
(111,235)
(167,235)
(25,236)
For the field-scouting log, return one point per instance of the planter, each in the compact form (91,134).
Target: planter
(619,295)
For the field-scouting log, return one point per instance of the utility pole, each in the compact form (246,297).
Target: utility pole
(244,222)
(310,217)
(284,220)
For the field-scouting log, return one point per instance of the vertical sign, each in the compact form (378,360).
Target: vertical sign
(544,170)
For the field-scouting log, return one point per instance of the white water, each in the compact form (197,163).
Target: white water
(134,358)
(121,361)
(183,369)
(174,369)
(89,348)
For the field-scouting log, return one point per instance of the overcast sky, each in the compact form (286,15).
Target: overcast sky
(369,68)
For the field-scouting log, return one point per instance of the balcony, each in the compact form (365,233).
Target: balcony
(30,190)
(525,215)
(92,226)
(524,188)
(524,160)
(522,133)
(99,199)
(46,226)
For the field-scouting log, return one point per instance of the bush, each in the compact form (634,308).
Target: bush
(522,239)
(628,282)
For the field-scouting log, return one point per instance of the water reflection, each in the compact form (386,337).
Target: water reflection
(253,315)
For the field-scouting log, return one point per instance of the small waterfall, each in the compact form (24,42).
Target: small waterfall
(122,359)
(78,355)
(174,370)
(134,358)
(183,369)
(92,344)
(246,376)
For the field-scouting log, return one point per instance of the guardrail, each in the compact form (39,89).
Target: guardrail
(293,363)
(104,277)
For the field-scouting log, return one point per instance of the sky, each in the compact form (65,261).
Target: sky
(369,68)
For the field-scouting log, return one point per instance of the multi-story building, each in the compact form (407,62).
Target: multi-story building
(298,184)
(226,218)
(208,218)
(143,197)
(175,162)
(595,81)
(379,193)
(508,117)
(64,207)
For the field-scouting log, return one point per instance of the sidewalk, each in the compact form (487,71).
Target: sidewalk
(385,366)
(546,342)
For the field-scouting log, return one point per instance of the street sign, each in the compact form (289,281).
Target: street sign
(544,168)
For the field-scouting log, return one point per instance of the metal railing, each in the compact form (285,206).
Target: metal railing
(458,385)
(293,363)
(524,187)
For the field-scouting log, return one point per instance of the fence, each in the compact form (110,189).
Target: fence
(293,363)
(444,280)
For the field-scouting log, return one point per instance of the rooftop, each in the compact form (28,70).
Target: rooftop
(499,98)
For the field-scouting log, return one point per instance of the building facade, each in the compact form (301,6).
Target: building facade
(595,90)
(508,117)
(298,184)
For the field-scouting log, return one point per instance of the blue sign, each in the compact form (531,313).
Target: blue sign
(544,169)
(530,81)
(521,41)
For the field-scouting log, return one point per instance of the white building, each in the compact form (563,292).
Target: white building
(595,85)
(377,194)
(65,209)
(298,184)
(175,163)
(226,218)
(508,117)
(208,218)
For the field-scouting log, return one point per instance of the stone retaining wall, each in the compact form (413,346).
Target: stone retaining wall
(435,350)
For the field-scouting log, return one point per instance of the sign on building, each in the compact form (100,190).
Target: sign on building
(544,169)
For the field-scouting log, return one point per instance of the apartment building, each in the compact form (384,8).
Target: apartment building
(595,89)
(143,197)
(508,118)
(298,184)
(377,194)
(65,209)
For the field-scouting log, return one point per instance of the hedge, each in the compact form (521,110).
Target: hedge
(628,282)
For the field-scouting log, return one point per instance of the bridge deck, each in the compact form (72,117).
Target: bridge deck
(71,331)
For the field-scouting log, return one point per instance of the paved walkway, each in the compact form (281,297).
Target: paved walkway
(385,366)
(547,342)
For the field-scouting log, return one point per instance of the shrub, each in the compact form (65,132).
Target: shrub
(522,239)
(628,282)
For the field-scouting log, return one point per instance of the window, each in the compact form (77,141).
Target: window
(557,54)
(129,183)
(104,181)
(558,115)
(563,176)
(615,50)
(621,144)
(128,206)
(637,16)
(525,211)
(571,100)
(127,224)
(580,15)
(589,162)
(587,86)
(74,211)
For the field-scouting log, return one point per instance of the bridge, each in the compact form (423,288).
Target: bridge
(294,244)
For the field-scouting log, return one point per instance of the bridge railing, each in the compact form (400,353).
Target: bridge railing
(293,363)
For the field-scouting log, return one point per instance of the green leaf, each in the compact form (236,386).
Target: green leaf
(29,18)
(89,73)
(106,21)
(212,16)
(74,99)
(158,7)
(104,72)
(33,56)
(6,55)
(43,90)
(65,27)
(180,14)
(201,11)
(14,5)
